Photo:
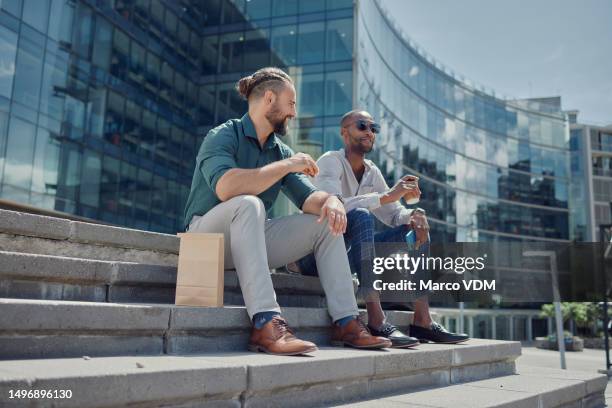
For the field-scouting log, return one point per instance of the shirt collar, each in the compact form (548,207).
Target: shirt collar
(249,131)
(365,161)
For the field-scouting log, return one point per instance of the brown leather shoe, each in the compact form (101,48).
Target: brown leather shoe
(275,337)
(356,334)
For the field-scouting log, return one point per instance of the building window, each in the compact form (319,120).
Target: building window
(8,45)
(311,36)
(339,40)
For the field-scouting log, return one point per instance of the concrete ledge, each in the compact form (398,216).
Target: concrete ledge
(329,375)
(18,223)
(546,389)
(36,276)
(31,225)
(68,329)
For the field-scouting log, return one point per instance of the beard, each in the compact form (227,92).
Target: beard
(277,120)
(359,147)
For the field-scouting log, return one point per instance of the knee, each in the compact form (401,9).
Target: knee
(251,205)
(360,218)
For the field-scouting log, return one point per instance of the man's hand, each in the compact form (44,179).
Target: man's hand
(336,215)
(412,188)
(407,187)
(418,222)
(302,163)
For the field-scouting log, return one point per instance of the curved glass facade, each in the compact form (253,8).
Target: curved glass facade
(103,105)
(489,168)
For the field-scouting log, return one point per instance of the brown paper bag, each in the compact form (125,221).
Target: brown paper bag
(199,281)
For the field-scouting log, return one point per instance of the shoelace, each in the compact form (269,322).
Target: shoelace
(388,329)
(362,327)
(281,327)
(436,327)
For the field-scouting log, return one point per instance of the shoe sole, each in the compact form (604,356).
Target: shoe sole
(406,345)
(370,347)
(442,342)
(259,349)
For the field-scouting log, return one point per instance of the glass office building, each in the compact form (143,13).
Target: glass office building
(104,103)
(489,168)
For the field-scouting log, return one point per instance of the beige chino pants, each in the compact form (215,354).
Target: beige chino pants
(253,245)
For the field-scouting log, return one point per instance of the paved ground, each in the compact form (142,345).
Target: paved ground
(589,360)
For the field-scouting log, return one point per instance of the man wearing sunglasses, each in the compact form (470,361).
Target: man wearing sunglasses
(348,174)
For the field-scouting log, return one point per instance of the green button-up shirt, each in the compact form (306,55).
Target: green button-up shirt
(234,144)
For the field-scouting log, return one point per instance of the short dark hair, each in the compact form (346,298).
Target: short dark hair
(349,115)
(269,78)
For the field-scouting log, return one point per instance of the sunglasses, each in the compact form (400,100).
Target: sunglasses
(363,125)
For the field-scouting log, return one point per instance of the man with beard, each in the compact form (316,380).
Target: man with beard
(241,167)
(360,183)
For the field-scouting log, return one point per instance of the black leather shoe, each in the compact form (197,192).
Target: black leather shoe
(437,334)
(398,339)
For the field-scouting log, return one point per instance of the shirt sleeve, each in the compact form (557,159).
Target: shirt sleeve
(392,214)
(296,186)
(217,155)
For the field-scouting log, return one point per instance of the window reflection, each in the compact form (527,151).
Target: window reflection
(310,38)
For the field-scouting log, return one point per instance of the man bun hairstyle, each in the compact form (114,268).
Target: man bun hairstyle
(269,78)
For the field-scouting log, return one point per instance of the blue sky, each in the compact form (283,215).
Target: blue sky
(522,48)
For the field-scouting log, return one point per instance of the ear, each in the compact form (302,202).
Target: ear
(344,134)
(269,97)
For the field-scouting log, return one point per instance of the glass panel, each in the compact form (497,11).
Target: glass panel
(3,138)
(233,12)
(256,49)
(258,9)
(211,13)
(339,40)
(8,45)
(89,193)
(98,106)
(60,20)
(311,6)
(46,165)
(12,6)
(19,156)
(310,88)
(231,52)
(311,36)
(284,46)
(28,73)
(36,14)
(337,4)
(53,87)
(338,93)
(210,54)
(284,7)
(102,44)
(121,51)
(82,39)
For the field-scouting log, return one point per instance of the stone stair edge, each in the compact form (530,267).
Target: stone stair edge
(20,265)
(245,372)
(41,226)
(520,390)
(61,316)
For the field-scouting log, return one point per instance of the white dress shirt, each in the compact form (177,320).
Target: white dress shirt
(336,177)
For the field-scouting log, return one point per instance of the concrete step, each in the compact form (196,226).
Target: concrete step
(29,233)
(238,379)
(35,276)
(49,329)
(536,387)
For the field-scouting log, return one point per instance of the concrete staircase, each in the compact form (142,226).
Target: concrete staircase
(89,308)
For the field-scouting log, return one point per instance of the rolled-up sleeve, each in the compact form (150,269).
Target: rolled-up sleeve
(297,188)
(392,214)
(217,155)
